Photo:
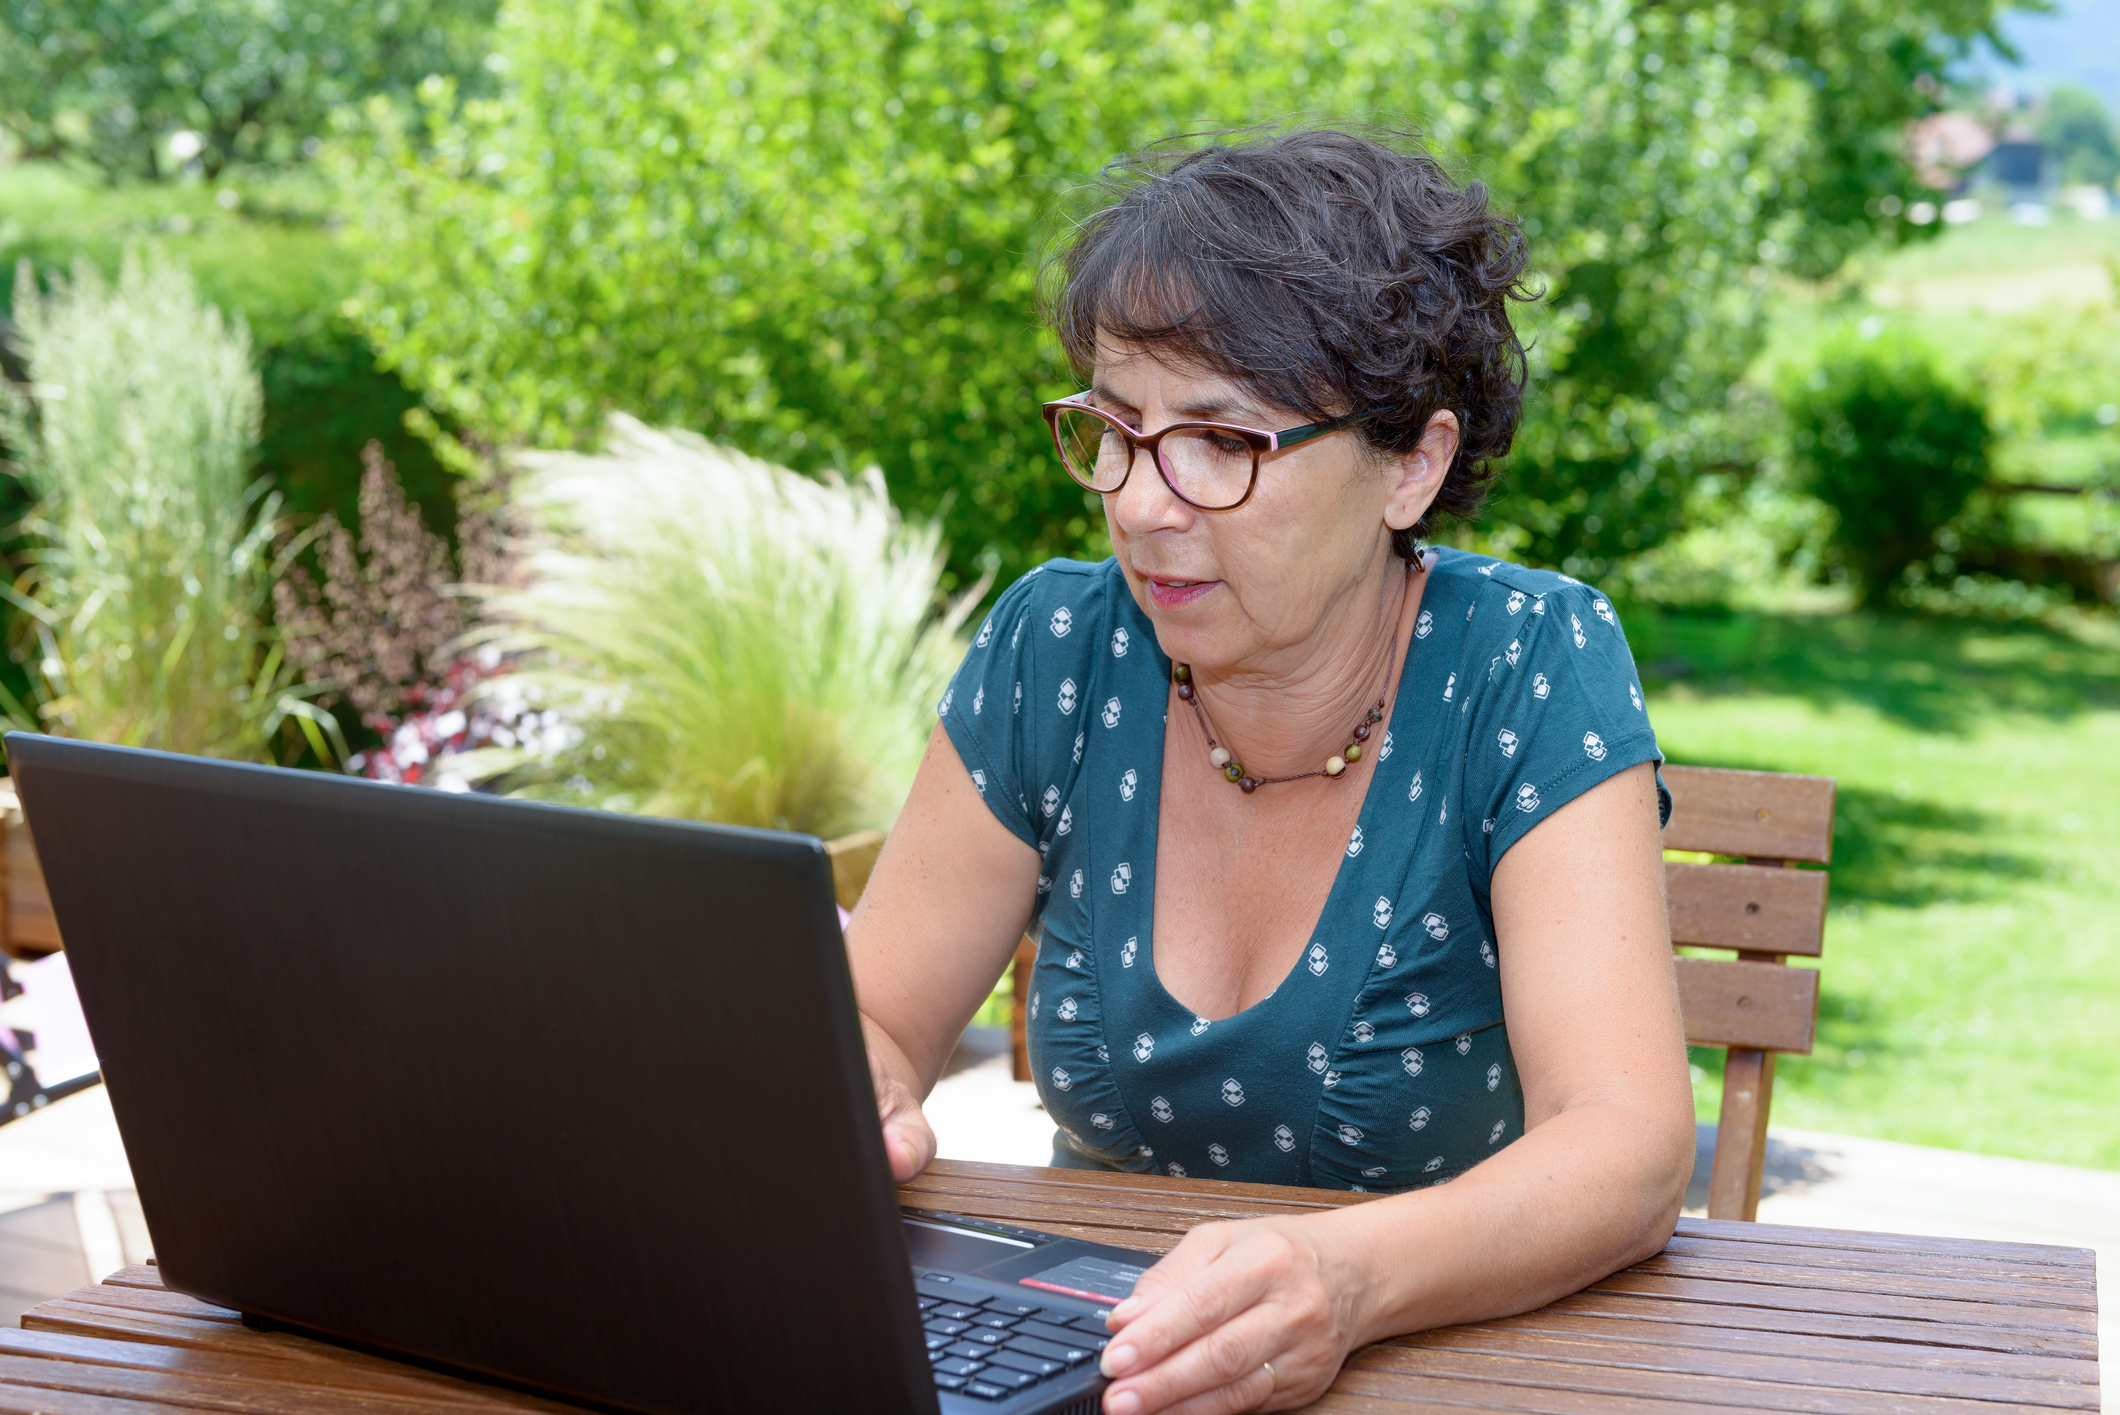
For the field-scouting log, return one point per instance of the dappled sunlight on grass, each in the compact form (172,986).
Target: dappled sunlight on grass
(1971,977)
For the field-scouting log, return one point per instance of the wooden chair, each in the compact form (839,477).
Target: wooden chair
(1764,911)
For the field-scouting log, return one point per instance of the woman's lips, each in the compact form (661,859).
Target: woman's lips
(1176,594)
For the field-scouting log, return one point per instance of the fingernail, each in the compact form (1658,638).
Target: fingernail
(1124,1311)
(1117,1361)
(1124,1403)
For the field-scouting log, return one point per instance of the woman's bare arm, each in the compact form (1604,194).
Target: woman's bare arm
(948,899)
(1594,1184)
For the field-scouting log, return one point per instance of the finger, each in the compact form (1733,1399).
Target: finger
(1195,1252)
(910,1142)
(1208,1300)
(1222,1370)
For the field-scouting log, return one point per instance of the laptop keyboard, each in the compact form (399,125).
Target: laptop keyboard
(994,1347)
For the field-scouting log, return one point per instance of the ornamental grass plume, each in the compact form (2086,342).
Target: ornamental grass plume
(151,561)
(730,640)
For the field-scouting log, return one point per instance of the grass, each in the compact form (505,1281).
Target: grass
(1971,988)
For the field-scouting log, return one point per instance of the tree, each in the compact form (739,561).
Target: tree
(812,231)
(2077,128)
(114,81)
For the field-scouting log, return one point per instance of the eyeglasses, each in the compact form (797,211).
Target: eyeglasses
(1212,466)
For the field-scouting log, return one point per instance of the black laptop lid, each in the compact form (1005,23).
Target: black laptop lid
(572,1098)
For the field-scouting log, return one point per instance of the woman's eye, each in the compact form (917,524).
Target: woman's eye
(1228,445)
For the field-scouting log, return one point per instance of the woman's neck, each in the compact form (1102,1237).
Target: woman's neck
(1286,716)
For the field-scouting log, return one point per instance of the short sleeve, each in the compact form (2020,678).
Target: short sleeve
(1560,709)
(1012,705)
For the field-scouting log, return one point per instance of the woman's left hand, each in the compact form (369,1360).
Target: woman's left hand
(1197,1334)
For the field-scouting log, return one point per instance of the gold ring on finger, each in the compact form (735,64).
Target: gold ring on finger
(1273,1382)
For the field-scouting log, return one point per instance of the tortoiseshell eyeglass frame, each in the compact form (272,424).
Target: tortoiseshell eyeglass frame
(1258,439)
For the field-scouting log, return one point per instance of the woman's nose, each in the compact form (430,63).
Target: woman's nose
(1146,503)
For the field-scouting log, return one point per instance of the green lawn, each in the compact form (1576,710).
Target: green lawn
(1972,958)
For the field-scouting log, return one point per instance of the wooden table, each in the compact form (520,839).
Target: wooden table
(1731,1317)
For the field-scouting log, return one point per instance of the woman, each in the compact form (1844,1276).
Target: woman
(1343,854)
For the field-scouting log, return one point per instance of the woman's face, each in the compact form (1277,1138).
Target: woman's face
(1252,588)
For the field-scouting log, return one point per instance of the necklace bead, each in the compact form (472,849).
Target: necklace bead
(1352,751)
(1334,766)
(1219,756)
(1361,734)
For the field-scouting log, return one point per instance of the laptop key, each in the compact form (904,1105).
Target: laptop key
(942,1291)
(1036,1367)
(927,1302)
(990,1335)
(970,1352)
(942,1327)
(934,1341)
(1010,1306)
(943,1382)
(985,1391)
(958,1366)
(995,1319)
(1073,1355)
(1008,1376)
(1063,1336)
(955,1312)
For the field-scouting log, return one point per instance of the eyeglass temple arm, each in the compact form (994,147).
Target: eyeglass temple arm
(1304,434)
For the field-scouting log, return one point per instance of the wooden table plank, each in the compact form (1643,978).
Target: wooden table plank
(189,1390)
(1533,1329)
(262,1361)
(1939,1265)
(1697,1387)
(1740,1320)
(1828,1368)
(1909,1284)
(1854,1304)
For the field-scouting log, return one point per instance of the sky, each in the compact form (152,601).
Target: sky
(2078,43)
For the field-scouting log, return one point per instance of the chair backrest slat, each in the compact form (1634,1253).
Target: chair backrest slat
(1756,814)
(1746,907)
(1768,1006)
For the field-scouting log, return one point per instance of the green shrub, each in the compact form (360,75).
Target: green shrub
(729,640)
(146,592)
(811,231)
(1892,444)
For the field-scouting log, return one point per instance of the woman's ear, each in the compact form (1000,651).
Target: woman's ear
(1418,475)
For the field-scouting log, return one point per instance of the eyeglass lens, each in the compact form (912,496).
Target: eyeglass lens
(1208,467)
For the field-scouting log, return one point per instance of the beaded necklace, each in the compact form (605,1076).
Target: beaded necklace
(1335,767)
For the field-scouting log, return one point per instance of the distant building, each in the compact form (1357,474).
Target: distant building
(1955,152)
(2023,167)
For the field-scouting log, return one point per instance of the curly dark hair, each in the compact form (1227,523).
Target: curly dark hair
(1323,271)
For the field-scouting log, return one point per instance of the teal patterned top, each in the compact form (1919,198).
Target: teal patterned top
(1382,1061)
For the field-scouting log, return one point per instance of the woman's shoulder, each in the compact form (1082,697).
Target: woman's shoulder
(1057,595)
(1493,597)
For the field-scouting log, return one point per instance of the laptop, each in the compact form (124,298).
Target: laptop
(571,1100)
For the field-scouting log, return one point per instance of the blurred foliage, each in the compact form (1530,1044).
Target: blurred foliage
(261,249)
(112,82)
(812,230)
(2080,132)
(143,597)
(1888,440)
(729,641)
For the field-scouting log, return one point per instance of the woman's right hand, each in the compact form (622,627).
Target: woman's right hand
(907,1137)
